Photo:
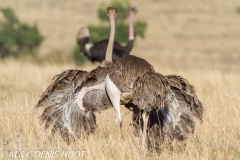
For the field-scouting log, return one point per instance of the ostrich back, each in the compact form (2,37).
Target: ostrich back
(127,70)
(151,90)
(95,77)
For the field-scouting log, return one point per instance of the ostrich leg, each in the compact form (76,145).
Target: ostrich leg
(114,95)
(145,116)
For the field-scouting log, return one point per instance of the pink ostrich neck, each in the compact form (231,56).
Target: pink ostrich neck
(131,29)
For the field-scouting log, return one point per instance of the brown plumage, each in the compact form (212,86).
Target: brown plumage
(133,81)
(151,90)
(186,95)
(61,85)
(61,111)
(160,128)
(122,73)
(127,70)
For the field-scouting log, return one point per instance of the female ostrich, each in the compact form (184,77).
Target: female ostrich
(121,78)
(133,80)
(96,51)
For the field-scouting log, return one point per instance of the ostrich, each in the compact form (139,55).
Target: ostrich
(133,80)
(120,69)
(96,51)
(121,78)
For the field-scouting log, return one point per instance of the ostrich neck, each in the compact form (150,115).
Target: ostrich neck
(108,57)
(131,29)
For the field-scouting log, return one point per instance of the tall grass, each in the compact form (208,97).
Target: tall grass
(217,138)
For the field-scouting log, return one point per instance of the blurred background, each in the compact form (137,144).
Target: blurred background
(204,30)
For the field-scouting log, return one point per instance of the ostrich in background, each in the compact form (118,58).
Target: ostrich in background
(97,51)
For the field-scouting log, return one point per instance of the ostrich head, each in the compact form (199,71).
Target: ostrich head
(83,33)
(83,38)
(132,8)
(112,11)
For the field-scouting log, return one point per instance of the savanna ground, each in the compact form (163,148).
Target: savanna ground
(199,40)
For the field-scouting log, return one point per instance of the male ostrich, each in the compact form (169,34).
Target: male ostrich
(96,51)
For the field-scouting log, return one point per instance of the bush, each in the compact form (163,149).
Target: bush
(17,38)
(78,58)
(238,9)
(102,31)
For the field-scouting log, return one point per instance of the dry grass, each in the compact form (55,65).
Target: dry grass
(198,40)
(217,138)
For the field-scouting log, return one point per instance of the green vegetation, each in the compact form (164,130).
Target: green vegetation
(78,58)
(101,31)
(238,10)
(17,38)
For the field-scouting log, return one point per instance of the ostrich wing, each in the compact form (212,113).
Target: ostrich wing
(61,110)
(62,85)
(160,127)
(186,96)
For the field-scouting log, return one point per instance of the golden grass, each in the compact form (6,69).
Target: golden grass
(217,86)
(198,40)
